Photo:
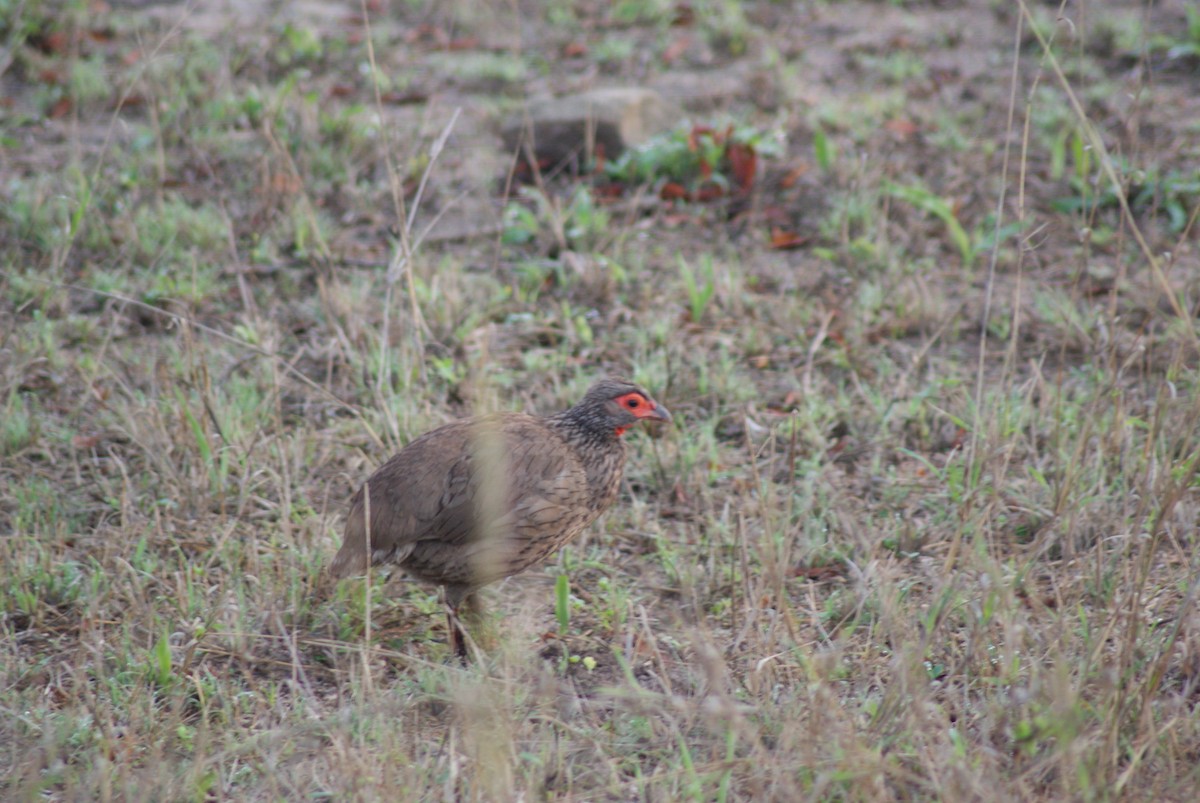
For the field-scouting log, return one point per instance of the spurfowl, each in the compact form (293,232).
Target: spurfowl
(480,499)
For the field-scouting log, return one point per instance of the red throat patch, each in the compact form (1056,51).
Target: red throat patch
(620,431)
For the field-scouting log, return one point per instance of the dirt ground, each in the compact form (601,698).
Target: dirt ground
(924,527)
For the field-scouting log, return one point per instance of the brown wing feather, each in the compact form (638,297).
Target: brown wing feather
(438,510)
(413,493)
(537,504)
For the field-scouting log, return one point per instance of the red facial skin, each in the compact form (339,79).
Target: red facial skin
(641,407)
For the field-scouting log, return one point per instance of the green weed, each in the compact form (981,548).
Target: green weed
(700,291)
(942,209)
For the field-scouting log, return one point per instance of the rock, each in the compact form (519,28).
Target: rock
(705,89)
(601,120)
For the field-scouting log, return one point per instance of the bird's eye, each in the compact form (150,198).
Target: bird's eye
(632,402)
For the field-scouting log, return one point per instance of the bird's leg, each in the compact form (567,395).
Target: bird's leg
(458,600)
(457,637)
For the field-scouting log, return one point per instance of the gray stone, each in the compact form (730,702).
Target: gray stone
(604,120)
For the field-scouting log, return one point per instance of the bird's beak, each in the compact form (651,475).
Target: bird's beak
(659,413)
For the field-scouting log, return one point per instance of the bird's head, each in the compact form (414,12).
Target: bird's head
(615,405)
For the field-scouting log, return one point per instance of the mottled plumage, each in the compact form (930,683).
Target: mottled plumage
(480,499)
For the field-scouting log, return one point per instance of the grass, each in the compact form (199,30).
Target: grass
(925,526)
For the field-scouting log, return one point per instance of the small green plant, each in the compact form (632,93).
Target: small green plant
(297,45)
(700,291)
(943,209)
(450,370)
(896,67)
(641,12)
(616,603)
(614,49)
(1187,45)
(562,603)
(43,588)
(19,427)
(215,460)
(159,662)
(584,222)
(520,224)
(696,162)
(481,67)
(562,614)
(824,151)
(581,225)
(1173,195)
(168,231)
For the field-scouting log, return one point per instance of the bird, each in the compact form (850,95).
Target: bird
(480,499)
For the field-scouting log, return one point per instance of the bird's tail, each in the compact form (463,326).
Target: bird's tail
(354,556)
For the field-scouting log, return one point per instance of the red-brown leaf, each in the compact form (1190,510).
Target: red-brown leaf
(676,49)
(902,127)
(672,191)
(783,239)
(695,134)
(61,108)
(819,573)
(404,98)
(683,15)
(608,192)
(743,163)
(55,42)
(85,442)
(792,176)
